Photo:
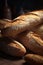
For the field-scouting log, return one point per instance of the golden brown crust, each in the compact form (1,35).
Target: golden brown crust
(31,41)
(34,58)
(21,24)
(38,30)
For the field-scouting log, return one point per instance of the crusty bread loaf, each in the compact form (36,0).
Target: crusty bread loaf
(31,41)
(22,23)
(33,58)
(12,47)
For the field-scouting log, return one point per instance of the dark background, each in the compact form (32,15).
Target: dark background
(16,5)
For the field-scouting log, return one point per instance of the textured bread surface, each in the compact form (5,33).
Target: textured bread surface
(34,58)
(31,41)
(12,47)
(22,23)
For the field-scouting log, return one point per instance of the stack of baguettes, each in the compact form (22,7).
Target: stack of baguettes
(28,30)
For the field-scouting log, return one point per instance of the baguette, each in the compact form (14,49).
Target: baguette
(31,41)
(22,23)
(33,58)
(12,47)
